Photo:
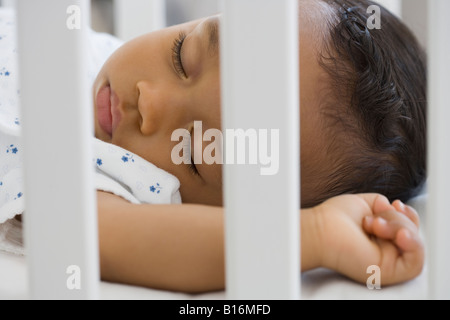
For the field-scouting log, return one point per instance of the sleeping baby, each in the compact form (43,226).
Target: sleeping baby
(363,104)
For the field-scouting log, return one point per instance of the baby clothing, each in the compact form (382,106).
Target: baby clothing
(11,177)
(117,170)
(133,178)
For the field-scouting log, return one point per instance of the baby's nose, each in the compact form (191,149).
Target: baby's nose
(149,108)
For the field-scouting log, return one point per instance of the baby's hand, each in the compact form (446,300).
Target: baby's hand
(359,231)
(396,228)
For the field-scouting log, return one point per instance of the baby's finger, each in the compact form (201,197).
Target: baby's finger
(386,225)
(407,241)
(399,206)
(382,229)
(381,204)
(406,252)
(407,211)
(368,224)
(412,214)
(412,252)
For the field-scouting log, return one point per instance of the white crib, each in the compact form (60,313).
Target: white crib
(256,266)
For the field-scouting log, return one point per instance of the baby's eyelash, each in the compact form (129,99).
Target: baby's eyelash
(176,54)
(191,165)
(193,169)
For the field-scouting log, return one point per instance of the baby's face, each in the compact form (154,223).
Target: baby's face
(166,80)
(156,88)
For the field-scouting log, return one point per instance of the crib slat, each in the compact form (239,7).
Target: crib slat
(7,3)
(134,18)
(438,219)
(394,6)
(415,15)
(60,218)
(259,56)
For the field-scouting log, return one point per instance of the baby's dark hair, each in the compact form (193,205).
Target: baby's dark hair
(377,99)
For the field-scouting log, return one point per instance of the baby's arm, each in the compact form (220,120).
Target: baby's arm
(181,247)
(168,247)
(172,247)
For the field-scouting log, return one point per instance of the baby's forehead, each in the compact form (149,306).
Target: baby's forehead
(316,17)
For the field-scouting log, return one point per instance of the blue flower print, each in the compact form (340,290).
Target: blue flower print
(4,72)
(19,195)
(156,189)
(99,162)
(127,157)
(12,149)
(17,122)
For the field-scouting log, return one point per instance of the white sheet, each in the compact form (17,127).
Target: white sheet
(317,284)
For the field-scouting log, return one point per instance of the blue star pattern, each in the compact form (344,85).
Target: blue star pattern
(137,180)
(156,189)
(12,149)
(4,72)
(19,195)
(127,158)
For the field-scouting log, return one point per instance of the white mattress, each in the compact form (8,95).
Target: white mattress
(317,284)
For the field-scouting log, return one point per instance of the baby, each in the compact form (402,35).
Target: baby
(362,129)
(362,103)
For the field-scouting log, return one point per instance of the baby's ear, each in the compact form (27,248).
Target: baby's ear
(382,204)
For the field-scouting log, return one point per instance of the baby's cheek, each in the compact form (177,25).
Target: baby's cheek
(199,192)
